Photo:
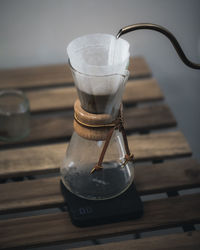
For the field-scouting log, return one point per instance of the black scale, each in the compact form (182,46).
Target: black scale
(85,212)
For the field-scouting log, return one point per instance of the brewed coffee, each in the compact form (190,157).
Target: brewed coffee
(99,104)
(112,180)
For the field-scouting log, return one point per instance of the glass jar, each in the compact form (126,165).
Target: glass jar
(14,115)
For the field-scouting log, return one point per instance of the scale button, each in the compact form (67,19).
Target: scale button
(85,210)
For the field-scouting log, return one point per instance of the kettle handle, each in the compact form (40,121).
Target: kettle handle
(164,31)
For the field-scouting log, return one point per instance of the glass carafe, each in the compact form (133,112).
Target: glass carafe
(86,144)
(82,155)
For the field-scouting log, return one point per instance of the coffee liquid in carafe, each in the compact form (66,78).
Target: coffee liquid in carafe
(99,104)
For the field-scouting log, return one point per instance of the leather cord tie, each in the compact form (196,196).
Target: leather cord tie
(118,124)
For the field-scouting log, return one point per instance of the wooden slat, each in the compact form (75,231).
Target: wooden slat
(183,241)
(56,74)
(172,175)
(44,159)
(148,117)
(64,98)
(54,228)
(46,193)
(136,119)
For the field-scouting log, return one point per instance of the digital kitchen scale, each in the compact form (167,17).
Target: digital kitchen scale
(85,212)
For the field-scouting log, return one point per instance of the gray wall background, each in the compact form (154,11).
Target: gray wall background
(37,32)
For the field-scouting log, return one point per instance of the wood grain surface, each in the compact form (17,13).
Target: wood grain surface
(61,126)
(45,159)
(57,74)
(149,179)
(64,97)
(179,241)
(51,93)
(57,227)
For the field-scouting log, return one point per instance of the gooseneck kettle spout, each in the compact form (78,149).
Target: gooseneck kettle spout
(164,31)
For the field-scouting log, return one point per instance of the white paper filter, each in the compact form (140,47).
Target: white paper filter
(96,56)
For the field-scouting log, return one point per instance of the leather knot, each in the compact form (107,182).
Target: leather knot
(128,158)
(117,124)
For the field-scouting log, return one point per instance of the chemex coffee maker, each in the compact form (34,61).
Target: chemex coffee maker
(97,174)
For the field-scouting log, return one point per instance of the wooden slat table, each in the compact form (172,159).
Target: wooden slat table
(32,208)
